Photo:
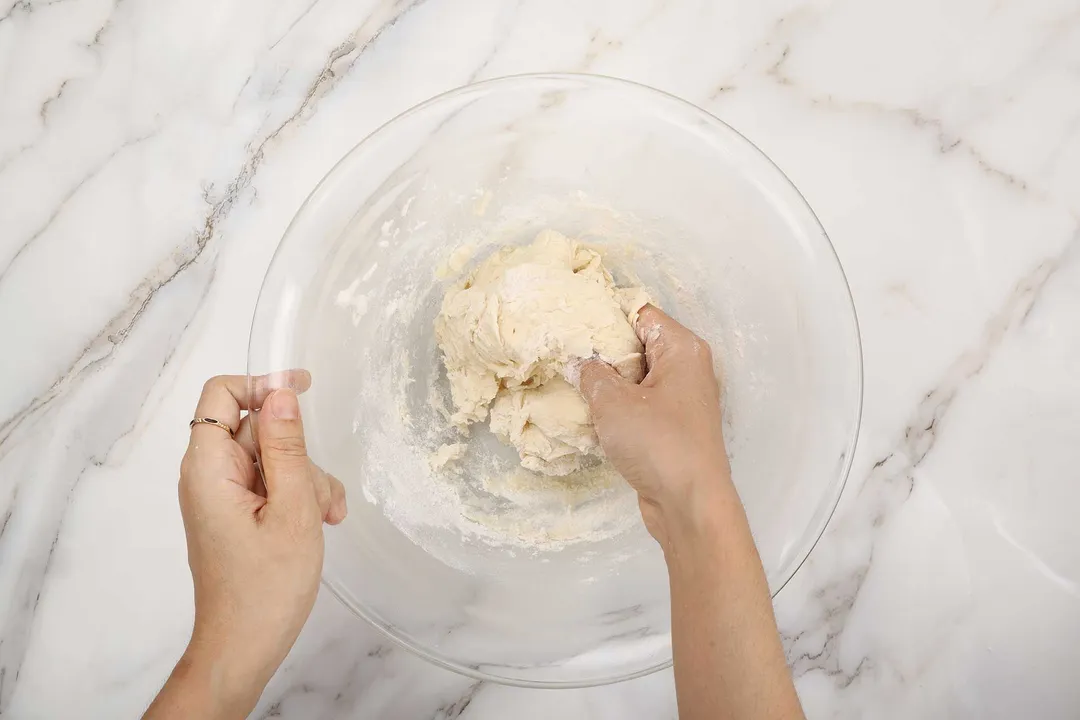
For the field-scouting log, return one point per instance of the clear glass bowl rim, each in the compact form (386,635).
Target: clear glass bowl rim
(510,82)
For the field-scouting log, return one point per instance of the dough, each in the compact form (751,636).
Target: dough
(508,332)
(448,454)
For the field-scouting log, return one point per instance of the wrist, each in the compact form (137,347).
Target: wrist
(702,514)
(230,685)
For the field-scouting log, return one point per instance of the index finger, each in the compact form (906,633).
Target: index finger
(224,396)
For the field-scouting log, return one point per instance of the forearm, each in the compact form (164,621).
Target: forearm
(203,686)
(729,662)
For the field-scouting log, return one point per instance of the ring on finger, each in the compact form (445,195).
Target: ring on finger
(211,421)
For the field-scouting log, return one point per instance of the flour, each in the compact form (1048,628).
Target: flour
(353,300)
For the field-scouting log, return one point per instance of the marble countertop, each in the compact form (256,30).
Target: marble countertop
(151,155)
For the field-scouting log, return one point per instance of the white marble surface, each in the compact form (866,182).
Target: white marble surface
(152,153)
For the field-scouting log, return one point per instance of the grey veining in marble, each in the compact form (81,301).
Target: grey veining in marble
(151,155)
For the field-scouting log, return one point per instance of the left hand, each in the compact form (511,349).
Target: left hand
(255,550)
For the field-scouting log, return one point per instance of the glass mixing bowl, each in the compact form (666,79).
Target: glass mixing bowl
(483,571)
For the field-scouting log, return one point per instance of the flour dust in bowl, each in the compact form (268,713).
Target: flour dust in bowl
(450,546)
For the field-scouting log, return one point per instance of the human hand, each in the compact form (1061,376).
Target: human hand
(664,435)
(255,549)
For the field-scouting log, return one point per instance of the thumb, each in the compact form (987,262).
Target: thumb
(284,453)
(600,385)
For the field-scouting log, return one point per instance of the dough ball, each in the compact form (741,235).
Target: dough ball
(508,331)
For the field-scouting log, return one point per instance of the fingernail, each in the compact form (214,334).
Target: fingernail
(283,405)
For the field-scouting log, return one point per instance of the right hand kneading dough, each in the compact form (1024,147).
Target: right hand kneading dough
(509,331)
